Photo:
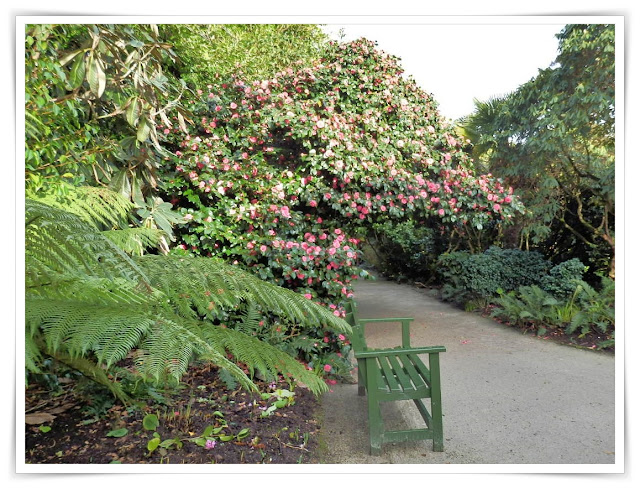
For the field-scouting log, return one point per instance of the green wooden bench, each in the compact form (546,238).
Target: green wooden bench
(394,374)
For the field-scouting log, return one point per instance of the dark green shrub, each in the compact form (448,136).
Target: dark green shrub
(450,271)
(563,279)
(517,268)
(405,250)
(466,276)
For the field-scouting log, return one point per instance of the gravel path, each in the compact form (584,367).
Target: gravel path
(507,398)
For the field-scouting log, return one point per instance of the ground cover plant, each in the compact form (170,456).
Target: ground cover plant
(205,421)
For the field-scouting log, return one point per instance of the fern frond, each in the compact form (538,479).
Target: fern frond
(250,320)
(134,241)
(90,304)
(95,205)
(61,242)
(78,328)
(262,357)
(167,350)
(206,284)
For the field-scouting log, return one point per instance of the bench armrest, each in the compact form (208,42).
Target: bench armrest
(406,342)
(369,353)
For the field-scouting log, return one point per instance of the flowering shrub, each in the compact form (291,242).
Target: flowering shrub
(286,175)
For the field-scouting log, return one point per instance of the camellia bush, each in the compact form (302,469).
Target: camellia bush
(286,176)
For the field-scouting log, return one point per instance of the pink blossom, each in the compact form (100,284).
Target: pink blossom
(441,212)
(496,207)
(327,368)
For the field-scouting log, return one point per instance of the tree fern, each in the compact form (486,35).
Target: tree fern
(91,305)
(96,205)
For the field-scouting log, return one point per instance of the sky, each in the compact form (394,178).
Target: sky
(460,63)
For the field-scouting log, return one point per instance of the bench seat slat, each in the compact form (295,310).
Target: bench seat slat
(390,381)
(425,373)
(398,370)
(414,373)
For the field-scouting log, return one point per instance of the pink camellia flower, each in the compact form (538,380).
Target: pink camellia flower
(233,105)
(327,368)
(313,203)
(496,207)
(507,199)
(188,217)
(308,296)
(441,212)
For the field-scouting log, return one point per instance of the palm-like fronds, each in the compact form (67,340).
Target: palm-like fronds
(87,301)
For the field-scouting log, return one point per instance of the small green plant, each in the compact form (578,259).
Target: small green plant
(150,422)
(156,442)
(212,434)
(283,398)
(119,433)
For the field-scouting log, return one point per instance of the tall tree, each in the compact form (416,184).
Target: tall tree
(93,97)
(554,138)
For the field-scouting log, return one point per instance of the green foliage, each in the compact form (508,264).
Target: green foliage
(258,51)
(94,95)
(585,311)
(89,305)
(406,249)
(553,140)
(596,310)
(563,278)
(469,276)
(529,304)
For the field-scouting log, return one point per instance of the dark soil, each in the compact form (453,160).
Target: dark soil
(72,426)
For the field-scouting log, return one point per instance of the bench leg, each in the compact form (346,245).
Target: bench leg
(436,403)
(375,425)
(362,380)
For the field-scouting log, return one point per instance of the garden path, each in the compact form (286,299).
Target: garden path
(508,398)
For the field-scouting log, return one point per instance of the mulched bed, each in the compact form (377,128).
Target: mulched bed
(70,428)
